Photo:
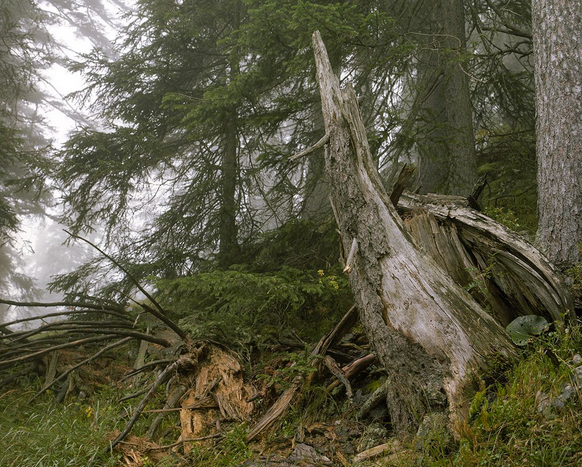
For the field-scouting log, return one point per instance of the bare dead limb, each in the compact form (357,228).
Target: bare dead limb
(347,322)
(116,314)
(62,326)
(276,410)
(279,407)
(90,306)
(352,369)
(159,312)
(403,178)
(322,142)
(139,409)
(33,355)
(335,370)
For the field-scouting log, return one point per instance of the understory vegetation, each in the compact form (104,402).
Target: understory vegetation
(524,415)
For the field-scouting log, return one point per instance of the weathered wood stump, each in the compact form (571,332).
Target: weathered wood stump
(428,332)
(506,274)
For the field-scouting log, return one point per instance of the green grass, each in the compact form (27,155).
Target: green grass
(43,433)
(512,421)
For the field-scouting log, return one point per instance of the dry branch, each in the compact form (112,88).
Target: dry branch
(139,409)
(159,312)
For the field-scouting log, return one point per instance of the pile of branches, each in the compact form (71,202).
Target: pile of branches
(204,380)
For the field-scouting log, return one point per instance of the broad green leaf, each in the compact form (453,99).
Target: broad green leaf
(523,328)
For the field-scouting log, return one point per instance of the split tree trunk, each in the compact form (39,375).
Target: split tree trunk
(428,332)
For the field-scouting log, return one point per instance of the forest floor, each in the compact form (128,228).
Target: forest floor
(525,415)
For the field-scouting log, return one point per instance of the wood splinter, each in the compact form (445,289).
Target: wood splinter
(349,261)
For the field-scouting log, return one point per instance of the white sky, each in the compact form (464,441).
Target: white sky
(41,239)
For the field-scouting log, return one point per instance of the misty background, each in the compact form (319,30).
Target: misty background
(40,250)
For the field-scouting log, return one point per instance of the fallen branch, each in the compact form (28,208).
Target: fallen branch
(159,312)
(139,409)
(279,407)
(31,356)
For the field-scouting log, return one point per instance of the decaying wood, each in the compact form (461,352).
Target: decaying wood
(333,337)
(335,370)
(281,405)
(352,369)
(427,331)
(373,452)
(377,396)
(503,271)
(403,178)
(276,410)
(218,393)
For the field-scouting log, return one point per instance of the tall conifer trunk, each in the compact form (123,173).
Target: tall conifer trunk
(228,231)
(447,162)
(228,247)
(557,28)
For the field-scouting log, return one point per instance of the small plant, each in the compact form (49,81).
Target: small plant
(530,418)
(523,328)
(504,216)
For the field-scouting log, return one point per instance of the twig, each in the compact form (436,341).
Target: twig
(322,142)
(159,380)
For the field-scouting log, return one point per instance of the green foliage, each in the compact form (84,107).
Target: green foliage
(237,306)
(296,244)
(504,216)
(526,421)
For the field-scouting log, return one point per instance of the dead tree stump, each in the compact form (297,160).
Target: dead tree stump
(428,332)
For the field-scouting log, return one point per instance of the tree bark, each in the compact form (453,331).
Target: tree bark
(228,231)
(427,331)
(228,243)
(557,29)
(447,160)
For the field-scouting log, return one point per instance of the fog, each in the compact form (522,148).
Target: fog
(40,250)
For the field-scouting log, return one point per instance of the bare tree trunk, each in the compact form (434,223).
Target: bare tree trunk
(446,143)
(228,232)
(427,331)
(228,244)
(557,29)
